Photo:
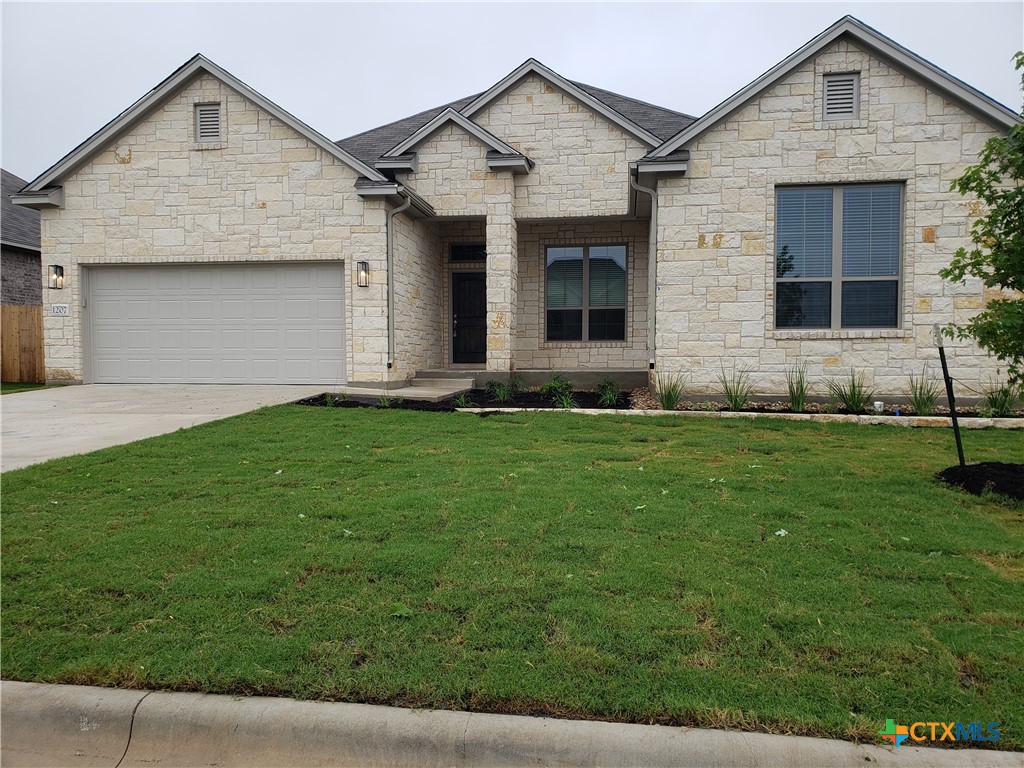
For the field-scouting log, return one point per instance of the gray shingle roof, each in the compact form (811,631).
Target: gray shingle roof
(18,226)
(369,145)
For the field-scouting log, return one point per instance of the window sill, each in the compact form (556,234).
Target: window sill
(580,344)
(204,145)
(827,333)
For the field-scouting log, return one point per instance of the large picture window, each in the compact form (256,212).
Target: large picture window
(837,256)
(586,293)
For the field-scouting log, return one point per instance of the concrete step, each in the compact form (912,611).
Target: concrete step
(445,383)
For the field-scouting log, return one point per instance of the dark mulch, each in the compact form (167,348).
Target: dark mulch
(478,398)
(993,476)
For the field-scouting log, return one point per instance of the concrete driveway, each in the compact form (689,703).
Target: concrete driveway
(45,424)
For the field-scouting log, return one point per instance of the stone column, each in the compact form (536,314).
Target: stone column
(502,271)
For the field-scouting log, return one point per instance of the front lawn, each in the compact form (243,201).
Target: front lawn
(787,577)
(9,387)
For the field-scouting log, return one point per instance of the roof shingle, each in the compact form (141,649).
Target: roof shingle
(18,226)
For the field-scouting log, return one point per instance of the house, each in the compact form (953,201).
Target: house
(21,282)
(206,235)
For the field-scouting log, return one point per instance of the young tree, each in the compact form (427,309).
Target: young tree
(997,257)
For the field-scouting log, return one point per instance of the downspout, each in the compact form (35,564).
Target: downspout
(390,233)
(652,269)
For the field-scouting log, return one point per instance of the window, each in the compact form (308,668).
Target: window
(586,293)
(467,252)
(837,256)
(841,96)
(207,122)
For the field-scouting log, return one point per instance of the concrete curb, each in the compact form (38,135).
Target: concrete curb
(47,725)
(824,418)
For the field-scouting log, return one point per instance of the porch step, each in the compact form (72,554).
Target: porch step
(460,384)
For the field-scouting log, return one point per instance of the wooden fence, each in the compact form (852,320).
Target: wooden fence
(21,344)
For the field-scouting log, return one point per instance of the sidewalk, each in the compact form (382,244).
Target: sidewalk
(61,725)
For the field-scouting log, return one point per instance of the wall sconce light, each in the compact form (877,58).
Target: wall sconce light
(56,276)
(363,274)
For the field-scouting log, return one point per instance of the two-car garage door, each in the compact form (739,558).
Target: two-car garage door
(226,324)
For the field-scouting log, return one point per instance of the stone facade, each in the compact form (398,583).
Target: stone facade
(715,306)
(21,277)
(269,192)
(265,193)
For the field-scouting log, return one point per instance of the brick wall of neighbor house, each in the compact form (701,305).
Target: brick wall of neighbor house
(21,278)
(716,230)
(582,160)
(531,350)
(265,194)
(419,271)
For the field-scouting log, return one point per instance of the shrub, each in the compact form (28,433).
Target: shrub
(738,389)
(556,386)
(565,400)
(923,393)
(329,399)
(670,391)
(462,400)
(499,391)
(855,396)
(999,400)
(384,402)
(608,393)
(796,384)
(516,385)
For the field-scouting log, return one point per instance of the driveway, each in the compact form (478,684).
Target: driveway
(45,424)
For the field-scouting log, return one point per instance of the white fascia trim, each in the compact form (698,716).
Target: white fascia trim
(407,164)
(450,115)
(534,67)
(46,198)
(380,190)
(680,166)
(167,88)
(976,101)
(519,164)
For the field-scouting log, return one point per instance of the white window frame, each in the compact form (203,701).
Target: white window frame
(836,279)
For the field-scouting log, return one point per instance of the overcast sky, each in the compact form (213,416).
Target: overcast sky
(343,68)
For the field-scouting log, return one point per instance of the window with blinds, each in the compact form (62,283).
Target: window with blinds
(586,293)
(207,122)
(837,256)
(842,96)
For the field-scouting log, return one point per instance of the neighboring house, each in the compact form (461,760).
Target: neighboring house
(21,281)
(206,235)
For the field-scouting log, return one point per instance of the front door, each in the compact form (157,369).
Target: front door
(469,317)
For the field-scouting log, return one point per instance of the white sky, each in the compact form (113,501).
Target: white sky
(343,68)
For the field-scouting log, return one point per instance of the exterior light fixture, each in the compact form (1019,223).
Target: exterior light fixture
(56,276)
(363,274)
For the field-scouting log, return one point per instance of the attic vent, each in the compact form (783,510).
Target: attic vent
(842,96)
(207,122)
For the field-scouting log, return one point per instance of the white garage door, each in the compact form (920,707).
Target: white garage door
(223,324)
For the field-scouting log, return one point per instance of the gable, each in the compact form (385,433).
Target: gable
(865,38)
(197,67)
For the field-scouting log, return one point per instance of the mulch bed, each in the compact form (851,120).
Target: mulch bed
(638,399)
(988,476)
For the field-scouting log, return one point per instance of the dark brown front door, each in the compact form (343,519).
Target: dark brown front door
(469,317)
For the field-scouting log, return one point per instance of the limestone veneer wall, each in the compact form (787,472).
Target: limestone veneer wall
(582,160)
(265,193)
(715,307)
(419,272)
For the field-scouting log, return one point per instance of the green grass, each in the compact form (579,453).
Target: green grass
(614,568)
(8,387)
